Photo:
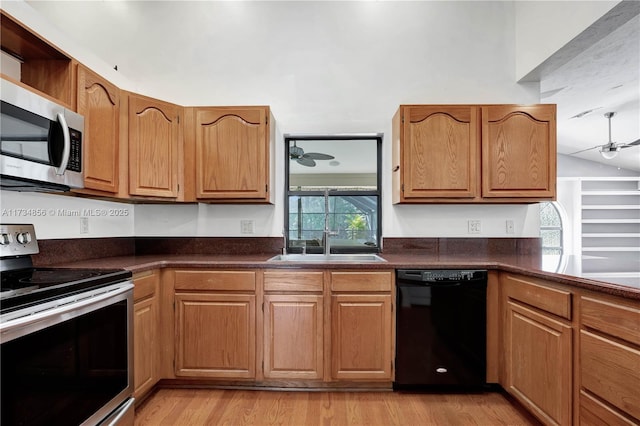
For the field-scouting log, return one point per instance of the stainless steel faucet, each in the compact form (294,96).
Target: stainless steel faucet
(326,241)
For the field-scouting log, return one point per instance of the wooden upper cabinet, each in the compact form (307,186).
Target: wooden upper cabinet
(519,151)
(99,103)
(439,152)
(154,139)
(43,66)
(474,153)
(229,151)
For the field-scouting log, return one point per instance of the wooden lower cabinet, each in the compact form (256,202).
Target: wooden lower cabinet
(539,360)
(538,347)
(215,335)
(609,361)
(215,324)
(146,332)
(328,326)
(293,336)
(361,333)
(362,325)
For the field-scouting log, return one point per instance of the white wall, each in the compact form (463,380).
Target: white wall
(59,216)
(543,27)
(324,67)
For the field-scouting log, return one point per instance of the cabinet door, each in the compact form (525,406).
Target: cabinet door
(231,153)
(440,151)
(215,335)
(361,336)
(146,325)
(296,319)
(154,133)
(145,346)
(99,103)
(539,363)
(519,151)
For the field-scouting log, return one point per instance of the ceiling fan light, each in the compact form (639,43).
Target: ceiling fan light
(609,153)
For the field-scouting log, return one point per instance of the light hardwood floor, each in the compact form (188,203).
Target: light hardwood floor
(193,407)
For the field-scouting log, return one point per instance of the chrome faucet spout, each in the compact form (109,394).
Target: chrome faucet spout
(327,233)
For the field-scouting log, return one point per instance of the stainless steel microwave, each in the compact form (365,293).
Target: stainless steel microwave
(41,142)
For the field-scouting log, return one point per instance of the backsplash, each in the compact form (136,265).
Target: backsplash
(69,250)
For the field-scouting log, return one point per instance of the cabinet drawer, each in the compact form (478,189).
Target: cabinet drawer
(361,281)
(611,371)
(554,301)
(144,285)
(616,320)
(304,281)
(215,280)
(596,413)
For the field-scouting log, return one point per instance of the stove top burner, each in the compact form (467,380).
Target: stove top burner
(56,276)
(30,286)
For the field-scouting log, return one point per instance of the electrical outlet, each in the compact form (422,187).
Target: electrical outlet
(84,225)
(247,226)
(473,226)
(510,229)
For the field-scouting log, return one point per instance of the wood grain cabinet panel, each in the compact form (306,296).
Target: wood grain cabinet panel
(154,139)
(596,413)
(215,335)
(231,153)
(146,332)
(42,66)
(361,337)
(519,151)
(474,153)
(611,371)
(534,292)
(99,103)
(539,363)
(293,333)
(440,151)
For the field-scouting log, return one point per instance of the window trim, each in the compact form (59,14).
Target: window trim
(378,192)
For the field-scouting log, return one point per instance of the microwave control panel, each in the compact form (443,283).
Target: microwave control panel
(75,155)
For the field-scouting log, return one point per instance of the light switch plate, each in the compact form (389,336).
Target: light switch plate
(247,226)
(473,226)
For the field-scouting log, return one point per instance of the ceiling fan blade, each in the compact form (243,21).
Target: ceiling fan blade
(584,150)
(631,144)
(318,156)
(306,162)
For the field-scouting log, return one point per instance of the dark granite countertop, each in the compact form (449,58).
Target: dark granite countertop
(530,265)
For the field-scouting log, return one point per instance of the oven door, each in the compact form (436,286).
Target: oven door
(69,365)
(41,141)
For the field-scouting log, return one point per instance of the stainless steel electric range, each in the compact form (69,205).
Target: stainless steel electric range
(66,340)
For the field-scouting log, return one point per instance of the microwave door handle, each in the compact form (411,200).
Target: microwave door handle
(66,150)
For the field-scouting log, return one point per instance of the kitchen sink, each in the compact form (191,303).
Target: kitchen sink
(365,258)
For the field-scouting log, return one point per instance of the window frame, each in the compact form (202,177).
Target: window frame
(336,192)
(559,263)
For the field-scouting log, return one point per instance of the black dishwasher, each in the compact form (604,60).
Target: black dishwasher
(441,329)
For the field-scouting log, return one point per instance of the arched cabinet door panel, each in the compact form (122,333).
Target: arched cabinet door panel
(99,103)
(518,151)
(154,139)
(441,149)
(474,153)
(231,153)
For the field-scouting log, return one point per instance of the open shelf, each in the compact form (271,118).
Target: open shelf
(610,222)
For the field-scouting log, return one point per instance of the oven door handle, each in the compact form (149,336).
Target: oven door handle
(66,309)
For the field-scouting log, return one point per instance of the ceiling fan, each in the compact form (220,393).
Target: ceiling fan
(306,159)
(610,149)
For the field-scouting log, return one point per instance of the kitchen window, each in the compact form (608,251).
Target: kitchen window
(333,191)
(551,234)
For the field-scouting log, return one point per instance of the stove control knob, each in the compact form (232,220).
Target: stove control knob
(5,239)
(23,237)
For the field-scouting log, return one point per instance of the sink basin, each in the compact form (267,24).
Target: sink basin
(366,258)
